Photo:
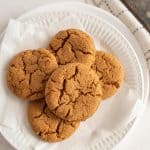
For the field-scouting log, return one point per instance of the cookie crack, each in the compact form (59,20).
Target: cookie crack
(42,112)
(85,53)
(107,62)
(62,44)
(62,91)
(97,70)
(44,71)
(57,107)
(21,81)
(48,132)
(75,73)
(58,127)
(115,84)
(68,113)
(73,50)
(30,82)
(53,80)
(24,68)
(72,124)
(39,133)
(33,93)
(65,40)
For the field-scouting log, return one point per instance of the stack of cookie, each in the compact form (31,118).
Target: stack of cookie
(64,83)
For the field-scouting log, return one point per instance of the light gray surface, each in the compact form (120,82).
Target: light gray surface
(137,139)
(142,9)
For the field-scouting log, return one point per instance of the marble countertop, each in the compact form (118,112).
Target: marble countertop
(141,9)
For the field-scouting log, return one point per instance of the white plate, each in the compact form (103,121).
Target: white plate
(122,43)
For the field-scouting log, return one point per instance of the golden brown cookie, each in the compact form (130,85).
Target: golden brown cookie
(110,72)
(46,125)
(29,71)
(73,92)
(73,45)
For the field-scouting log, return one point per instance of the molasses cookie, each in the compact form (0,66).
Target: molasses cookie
(46,125)
(73,45)
(73,92)
(29,71)
(110,72)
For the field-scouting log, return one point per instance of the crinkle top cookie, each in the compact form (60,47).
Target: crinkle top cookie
(46,125)
(110,72)
(73,45)
(73,92)
(28,72)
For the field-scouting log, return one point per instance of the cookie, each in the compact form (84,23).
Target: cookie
(46,125)
(73,92)
(73,45)
(29,71)
(110,72)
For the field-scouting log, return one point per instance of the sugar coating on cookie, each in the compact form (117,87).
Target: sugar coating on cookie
(46,125)
(29,71)
(73,92)
(73,45)
(110,72)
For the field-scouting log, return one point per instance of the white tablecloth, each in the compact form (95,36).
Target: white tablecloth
(137,139)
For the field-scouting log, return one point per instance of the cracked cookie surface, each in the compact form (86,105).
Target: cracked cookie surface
(73,92)
(28,72)
(73,45)
(110,72)
(46,125)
